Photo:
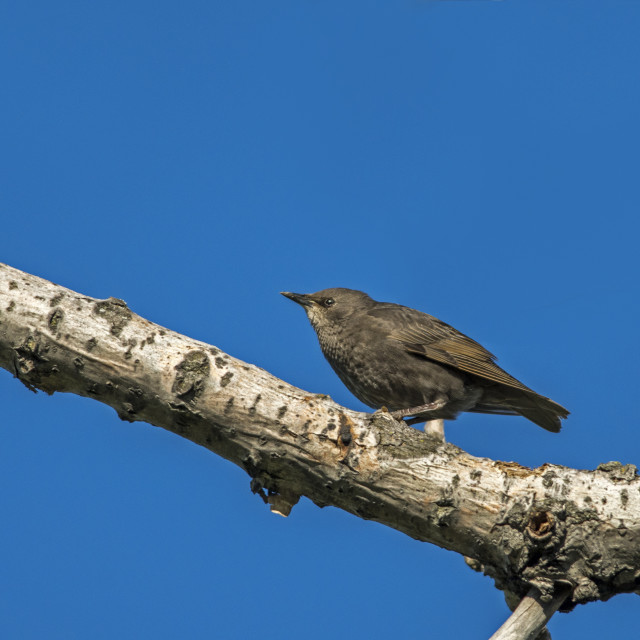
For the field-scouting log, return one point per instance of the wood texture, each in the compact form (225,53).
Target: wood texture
(524,527)
(528,620)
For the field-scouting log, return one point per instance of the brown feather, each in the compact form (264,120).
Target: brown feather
(440,342)
(455,349)
(393,356)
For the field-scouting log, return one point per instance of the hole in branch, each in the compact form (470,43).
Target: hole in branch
(540,525)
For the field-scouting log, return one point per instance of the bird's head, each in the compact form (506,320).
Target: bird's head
(330,305)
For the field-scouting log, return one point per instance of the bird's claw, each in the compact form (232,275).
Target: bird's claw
(414,411)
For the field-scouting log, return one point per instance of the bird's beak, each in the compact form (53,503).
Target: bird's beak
(300,298)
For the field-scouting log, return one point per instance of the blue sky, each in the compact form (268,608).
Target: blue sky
(476,160)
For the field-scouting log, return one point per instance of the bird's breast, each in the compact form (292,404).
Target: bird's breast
(379,372)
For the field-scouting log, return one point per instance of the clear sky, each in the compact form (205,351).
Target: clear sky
(477,160)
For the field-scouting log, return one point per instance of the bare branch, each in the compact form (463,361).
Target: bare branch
(530,617)
(524,527)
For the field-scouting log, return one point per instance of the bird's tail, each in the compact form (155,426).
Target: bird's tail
(540,410)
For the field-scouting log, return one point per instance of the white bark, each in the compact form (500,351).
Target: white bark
(540,528)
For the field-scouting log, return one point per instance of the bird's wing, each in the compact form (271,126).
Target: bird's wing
(433,339)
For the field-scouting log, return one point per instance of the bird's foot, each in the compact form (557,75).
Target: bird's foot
(414,411)
(381,416)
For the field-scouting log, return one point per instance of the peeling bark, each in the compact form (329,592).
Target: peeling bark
(548,528)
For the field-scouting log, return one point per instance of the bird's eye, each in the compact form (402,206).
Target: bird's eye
(329,302)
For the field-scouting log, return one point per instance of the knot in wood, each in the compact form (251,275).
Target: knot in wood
(345,430)
(541,526)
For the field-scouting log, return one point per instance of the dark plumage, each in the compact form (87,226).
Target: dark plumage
(414,364)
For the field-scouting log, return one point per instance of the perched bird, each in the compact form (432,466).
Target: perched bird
(414,364)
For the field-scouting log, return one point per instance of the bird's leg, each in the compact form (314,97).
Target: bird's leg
(435,428)
(414,411)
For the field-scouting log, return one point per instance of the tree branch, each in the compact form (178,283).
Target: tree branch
(529,618)
(527,528)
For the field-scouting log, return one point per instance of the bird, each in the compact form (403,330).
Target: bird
(413,365)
